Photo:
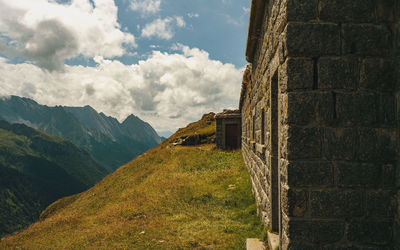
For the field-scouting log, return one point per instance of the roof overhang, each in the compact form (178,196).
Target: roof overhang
(256,19)
(228,114)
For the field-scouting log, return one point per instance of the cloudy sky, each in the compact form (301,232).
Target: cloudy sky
(166,61)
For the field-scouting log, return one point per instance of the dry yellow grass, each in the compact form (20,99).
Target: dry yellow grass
(168,198)
(206,126)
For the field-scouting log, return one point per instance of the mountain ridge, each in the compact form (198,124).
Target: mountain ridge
(110,142)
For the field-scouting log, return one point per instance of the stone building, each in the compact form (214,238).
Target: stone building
(320,108)
(228,135)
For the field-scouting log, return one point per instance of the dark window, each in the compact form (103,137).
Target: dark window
(275,153)
(254,127)
(248,129)
(262,127)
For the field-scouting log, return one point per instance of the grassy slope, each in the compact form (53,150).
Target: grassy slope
(37,169)
(179,197)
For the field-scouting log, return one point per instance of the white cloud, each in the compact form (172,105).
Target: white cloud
(146,7)
(47,32)
(163,28)
(193,15)
(180,22)
(167,90)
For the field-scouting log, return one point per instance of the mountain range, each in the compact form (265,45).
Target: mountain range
(108,141)
(36,169)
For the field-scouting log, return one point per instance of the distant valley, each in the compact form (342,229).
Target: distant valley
(109,142)
(35,170)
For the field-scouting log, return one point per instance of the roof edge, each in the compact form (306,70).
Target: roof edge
(255,23)
(246,81)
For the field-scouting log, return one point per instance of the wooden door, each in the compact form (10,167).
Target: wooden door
(231,136)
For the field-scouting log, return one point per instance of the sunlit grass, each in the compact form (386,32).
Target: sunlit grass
(206,126)
(168,198)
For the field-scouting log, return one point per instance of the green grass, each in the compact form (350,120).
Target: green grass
(37,169)
(14,143)
(168,198)
(206,126)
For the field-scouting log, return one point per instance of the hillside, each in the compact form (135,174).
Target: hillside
(36,169)
(168,198)
(109,142)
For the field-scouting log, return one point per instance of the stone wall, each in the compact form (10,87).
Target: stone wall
(397,65)
(319,127)
(256,108)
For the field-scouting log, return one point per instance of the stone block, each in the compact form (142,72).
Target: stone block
(377,232)
(292,105)
(339,11)
(258,138)
(339,143)
(356,109)
(296,74)
(265,218)
(378,145)
(303,143)
(387,109)
(283,167)
(385,10)
(294,202)
(336,204)
(381,203)
(283,108)
(273,240)
(312,39)
(309,174)
(338,73)
(315,231)
(398,106)
(310,108)
(357,174)
(260,148)
(366,39)
(388,176)
(264,184)
(302,11)
(377,73)
(397,12)
(398,207)
(347,247)
(281,49)
(299,245)
(396,237)
(284,230)
(397,39)
(264,202)
(283,141)
(254,244)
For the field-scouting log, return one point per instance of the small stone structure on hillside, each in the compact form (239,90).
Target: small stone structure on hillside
(228,135)
(320,121)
